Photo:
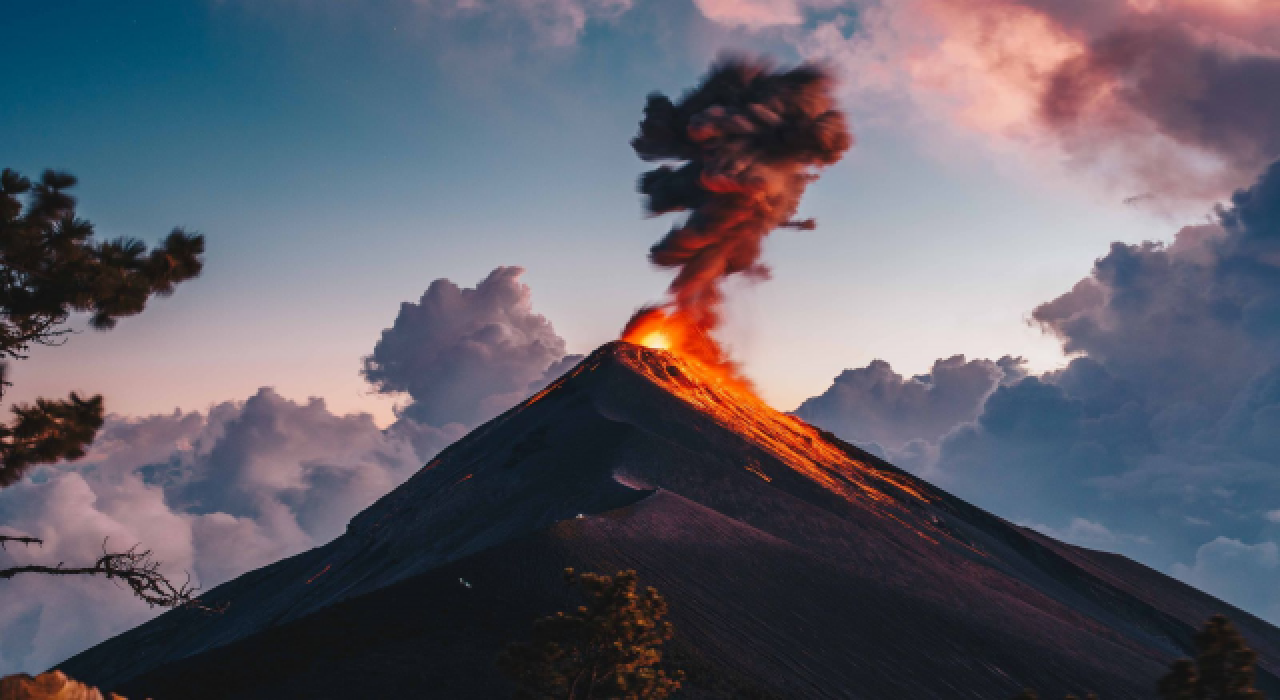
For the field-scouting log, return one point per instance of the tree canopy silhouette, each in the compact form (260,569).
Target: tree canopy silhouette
(52,266)
(608,649)
(1222,670)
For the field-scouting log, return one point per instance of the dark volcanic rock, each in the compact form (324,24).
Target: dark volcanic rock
(796,566)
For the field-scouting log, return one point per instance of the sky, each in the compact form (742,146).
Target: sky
(386,185)
(339,160)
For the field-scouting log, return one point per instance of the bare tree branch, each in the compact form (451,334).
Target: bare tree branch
(135,568)
(20,539)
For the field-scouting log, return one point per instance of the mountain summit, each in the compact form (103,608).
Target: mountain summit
(796,566)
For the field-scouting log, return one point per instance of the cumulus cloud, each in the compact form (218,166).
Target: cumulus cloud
(1164,423)
(1093,535)
(1233,571)
(212,494)
(465,355)
(215,494)
(876,405)
(758,14)
(1177,393)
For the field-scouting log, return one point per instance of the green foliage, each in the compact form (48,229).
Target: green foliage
(608,649)
(1223,668)
(51,267)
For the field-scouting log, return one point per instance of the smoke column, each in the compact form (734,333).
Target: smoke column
(750,138)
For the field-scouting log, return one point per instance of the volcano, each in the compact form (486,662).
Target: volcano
(795,565)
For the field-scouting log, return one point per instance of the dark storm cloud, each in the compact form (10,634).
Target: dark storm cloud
(1194,320)
(1162,428)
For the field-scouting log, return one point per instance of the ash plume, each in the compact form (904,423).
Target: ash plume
(749,137)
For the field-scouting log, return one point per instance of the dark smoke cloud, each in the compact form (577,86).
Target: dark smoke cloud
(1159,439)
(750,137)
(465,355)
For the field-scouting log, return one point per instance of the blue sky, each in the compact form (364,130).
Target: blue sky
(339,160)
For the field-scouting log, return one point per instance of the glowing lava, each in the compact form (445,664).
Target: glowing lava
(791,440)
(656,340)
(654,328)
(675,332)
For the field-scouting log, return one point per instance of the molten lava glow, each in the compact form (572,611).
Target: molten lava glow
(656,340)
(322,573)
(789,439)
(676,333)
(794,443)
(654,328)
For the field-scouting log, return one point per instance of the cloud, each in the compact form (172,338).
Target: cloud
(1233,570)
(874,404)
(753,14)
(553,22)
(1177,97)
(1164,421)
(1093,535)
(465,355)
(215,494)
(538,24)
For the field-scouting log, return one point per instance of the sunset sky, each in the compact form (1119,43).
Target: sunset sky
(447,187)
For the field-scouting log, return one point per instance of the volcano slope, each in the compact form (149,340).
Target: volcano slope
(796,566)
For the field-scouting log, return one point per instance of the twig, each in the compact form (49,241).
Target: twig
(136,568)
(20,539)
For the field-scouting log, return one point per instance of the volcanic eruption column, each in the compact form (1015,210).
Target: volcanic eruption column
(750,137)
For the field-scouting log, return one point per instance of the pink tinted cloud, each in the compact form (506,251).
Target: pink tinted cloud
(1177,97)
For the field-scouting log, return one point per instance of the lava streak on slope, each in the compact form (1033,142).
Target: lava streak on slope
(729,401)
(788,438)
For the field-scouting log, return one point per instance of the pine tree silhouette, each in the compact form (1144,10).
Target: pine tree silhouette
(607,649)
(51,267)
(1223,668)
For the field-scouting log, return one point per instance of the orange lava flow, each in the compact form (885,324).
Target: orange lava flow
(322,573)
(676,333)
(790,439)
